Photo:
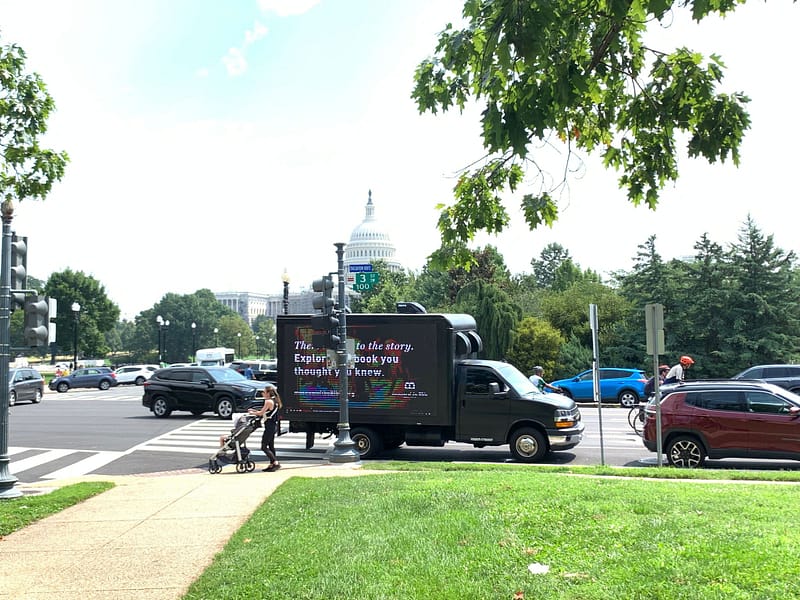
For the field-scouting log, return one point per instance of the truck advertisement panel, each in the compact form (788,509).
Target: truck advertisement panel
(395,370)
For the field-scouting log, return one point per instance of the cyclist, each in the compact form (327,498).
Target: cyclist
(650,386)
(678,372)
(539,382)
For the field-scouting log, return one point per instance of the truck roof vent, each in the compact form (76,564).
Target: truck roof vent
(410,308)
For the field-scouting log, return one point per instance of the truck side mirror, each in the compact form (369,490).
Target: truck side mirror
(494,388)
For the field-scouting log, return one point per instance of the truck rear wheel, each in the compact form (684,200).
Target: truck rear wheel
(368,442)
(528,445)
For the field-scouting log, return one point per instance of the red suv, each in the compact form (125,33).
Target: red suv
(725,419)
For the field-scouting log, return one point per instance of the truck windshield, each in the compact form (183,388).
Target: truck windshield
(518,381)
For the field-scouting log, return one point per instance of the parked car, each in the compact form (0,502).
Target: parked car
(724,419)
(200,389)
(90,377)
(625,386)
(786,376)
(136,374)
(25,384)
(263,370)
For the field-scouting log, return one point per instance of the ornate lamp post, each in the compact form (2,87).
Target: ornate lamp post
(216,339)
(258,349)
(194,339)
(239,335)
(285,279)
(162,338)
(76,311)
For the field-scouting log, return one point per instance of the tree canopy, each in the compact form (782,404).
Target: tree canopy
(26,169)
(578,74)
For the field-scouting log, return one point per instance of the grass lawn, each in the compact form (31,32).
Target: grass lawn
(16,513)
(478,533)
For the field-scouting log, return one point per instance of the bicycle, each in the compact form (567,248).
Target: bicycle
(636,418)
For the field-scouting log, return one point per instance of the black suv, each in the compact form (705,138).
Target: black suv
(786,376)
(200,389)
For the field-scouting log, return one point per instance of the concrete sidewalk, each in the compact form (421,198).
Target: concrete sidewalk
(147,538)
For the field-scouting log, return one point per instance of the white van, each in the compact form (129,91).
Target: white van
(212,357)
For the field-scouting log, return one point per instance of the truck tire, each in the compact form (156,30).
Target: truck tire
(528,445)
(368,443)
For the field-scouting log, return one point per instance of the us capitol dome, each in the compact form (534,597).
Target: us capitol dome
(369,242)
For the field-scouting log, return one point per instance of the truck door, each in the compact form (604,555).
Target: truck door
(482,407)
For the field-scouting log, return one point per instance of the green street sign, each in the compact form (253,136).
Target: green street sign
(364,282)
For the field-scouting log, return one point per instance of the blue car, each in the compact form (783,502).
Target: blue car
(625,386)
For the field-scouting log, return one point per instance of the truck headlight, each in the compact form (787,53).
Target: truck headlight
(565,418)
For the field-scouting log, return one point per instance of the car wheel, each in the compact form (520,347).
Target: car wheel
(225,408)
(62,387)
(104,384)
(12,398)
(528,445)
(139,380)
(161,408)
(628,398)
(37,397)
(685,451)
(368,442)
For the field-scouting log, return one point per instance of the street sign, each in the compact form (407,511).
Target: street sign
(367,268)
(365,281)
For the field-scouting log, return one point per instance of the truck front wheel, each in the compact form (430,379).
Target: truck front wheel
(368,443)
(528,445)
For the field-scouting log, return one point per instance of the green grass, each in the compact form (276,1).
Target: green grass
(16,513)
(472,534)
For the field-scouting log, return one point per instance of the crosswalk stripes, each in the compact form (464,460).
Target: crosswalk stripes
(202,437)
(79,462)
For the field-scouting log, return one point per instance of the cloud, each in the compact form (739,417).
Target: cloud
(287,8)
(235,61)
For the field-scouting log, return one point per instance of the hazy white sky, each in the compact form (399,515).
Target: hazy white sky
(214,144)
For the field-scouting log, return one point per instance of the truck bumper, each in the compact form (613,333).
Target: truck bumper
(564,439)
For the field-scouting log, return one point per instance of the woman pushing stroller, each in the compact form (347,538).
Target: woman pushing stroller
(269,414)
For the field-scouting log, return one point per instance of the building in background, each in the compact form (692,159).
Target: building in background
(369,242)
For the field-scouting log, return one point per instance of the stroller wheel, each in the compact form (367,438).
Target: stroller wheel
(250,466)
(240,467)
(212,467)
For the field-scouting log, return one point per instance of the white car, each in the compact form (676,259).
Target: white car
(137,374)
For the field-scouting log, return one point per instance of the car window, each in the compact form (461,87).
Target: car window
(762,402)
(612,374)
(586,376)
(198,376)
(478,381)
(754,373)
(718,400)
(775,372)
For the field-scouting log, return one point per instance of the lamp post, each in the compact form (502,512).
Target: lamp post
(194,339)
(160,322)
(239,335)
(76,311)
(285,278)
(216,339)
(258,350)
(164,339)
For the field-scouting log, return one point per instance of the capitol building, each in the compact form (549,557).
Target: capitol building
(369,242)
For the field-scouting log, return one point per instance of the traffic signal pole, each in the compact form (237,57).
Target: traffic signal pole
(7,480)
(344,449)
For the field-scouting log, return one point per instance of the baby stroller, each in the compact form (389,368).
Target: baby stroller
(234,451)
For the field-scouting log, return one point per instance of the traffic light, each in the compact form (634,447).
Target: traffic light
(19,270)
(326,325)
(325,302)
(37,321)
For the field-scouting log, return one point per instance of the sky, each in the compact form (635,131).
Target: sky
(216,144)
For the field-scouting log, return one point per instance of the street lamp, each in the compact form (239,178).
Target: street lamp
(285,278)
(216,339)
(76,311)
(258,350)
(239,335)
(162,338)
(194,339)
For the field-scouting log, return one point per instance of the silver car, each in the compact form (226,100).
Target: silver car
(25,383)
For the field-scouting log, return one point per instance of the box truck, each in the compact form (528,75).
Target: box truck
(414,379)
(214,357)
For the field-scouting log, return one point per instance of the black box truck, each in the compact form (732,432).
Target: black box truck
(413,380)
